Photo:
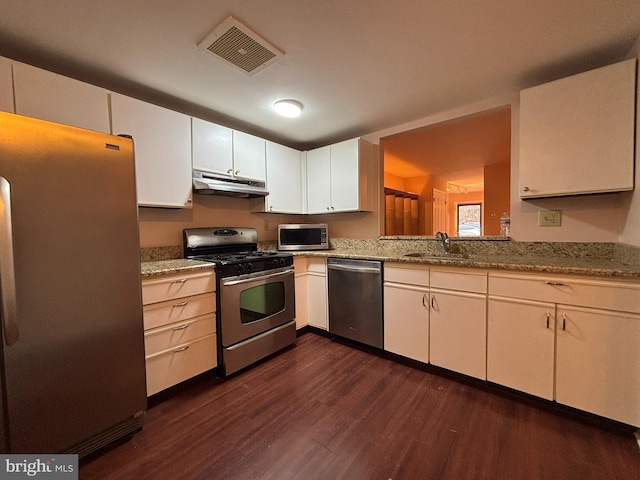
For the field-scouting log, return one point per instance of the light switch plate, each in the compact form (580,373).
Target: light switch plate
(550,218)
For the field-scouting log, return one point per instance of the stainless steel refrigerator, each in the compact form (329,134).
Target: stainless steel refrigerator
(72,350)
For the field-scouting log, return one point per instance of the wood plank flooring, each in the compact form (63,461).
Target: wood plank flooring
(325,410)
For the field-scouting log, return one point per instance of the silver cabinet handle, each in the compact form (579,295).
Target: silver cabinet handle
(182,280)
(556,284)
(7,269)
(525,189)
(548,318)
(433,297)
(181,327)
(237,172)
(424,300)
(182,349)
(230,171)
(178,305)
(564,321)
(328,209)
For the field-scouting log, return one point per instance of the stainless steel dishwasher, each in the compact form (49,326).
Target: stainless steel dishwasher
(355,300)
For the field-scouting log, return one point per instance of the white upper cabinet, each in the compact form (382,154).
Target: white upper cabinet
(223,151)
(249,156)
(284,179)
(6,86)
(212,147)
(319,180)
(339,177)
(162,143)
(56,98)
(577,133)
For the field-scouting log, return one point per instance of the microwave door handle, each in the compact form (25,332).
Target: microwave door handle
(9,315)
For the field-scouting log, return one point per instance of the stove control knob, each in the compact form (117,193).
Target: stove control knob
(283,262)
(249,267)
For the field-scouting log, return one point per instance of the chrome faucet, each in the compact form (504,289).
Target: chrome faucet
(444,238)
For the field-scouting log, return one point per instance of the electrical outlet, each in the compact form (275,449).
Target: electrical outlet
(550,218)
(266,225)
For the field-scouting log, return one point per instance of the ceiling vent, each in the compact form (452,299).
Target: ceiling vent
(238,46)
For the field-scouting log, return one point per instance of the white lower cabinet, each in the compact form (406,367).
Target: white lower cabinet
(180,328)
(580,347)
(458,325)
(311,292)
(406,311)
(520,345)
(597,362)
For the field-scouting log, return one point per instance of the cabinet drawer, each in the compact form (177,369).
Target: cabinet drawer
(409,274)
(167,368)
(176,286)
(610,295)
(170,336)
(164,313)
(461,280)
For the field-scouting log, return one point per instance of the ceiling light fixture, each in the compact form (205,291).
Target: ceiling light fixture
(458,188)
(288,108)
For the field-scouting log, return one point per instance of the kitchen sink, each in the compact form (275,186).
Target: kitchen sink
(438,256)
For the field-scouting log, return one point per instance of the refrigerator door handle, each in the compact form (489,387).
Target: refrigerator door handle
(9,316)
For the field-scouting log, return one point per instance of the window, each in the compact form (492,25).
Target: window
(469,220)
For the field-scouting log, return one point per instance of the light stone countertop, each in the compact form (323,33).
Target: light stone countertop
(589,259)
(556,265)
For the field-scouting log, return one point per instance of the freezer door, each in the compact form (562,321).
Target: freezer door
(77,365)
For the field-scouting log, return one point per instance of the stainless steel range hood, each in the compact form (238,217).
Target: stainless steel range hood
(212,184)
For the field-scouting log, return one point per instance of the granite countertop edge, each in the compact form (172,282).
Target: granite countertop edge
(558,265)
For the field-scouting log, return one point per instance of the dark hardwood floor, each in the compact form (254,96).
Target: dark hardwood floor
(325,410)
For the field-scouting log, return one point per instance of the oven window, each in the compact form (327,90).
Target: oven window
(261,302)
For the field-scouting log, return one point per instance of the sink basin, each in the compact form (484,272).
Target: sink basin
(438,256)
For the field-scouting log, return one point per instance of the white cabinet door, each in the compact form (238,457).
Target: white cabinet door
(317,293)
(249,156)
(302,295)
(406,320)
(212,147)
(597,362)
(520,345)
(345,176)
(6,86)
(162,143)
(577,133)
(56,98)
(457,338)
(284,179)
(319,180)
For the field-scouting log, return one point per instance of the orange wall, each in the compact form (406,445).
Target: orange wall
(496,196)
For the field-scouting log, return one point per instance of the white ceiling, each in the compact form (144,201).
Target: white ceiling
(358,66)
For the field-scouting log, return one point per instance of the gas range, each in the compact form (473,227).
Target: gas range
(255,294)
(233,250)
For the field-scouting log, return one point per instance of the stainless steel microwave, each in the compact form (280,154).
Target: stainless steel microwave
(303,236)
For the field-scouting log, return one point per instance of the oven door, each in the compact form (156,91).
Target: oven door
(254,303)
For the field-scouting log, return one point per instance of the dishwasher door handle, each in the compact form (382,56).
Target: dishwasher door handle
(347,268)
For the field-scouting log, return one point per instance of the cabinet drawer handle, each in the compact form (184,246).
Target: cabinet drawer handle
(424,300)
(525,189)
(548,317)
(230,171)
(177,305)
(181,327)
(433,305)
(182,280)
(182,349)
(564,321)
(556,284)
(236,172)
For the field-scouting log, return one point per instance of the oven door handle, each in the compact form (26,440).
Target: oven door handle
(256,276)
